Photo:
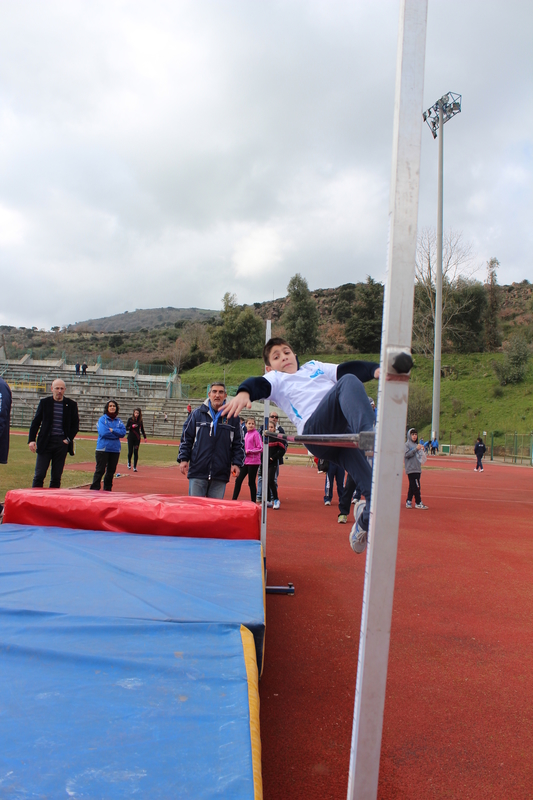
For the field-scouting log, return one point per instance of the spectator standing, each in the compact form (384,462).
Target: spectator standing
(334,473)
(52,432)
(77,367)
(276,451)
(479,450)
(211,446)
(434,446)
(273,417)
(414,457)
(135,428)
(111,430)
(84,368)
(253,447)
(350,494)
(5,419)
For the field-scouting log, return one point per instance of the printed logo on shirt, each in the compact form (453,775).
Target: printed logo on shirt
(295,411)
(316,373)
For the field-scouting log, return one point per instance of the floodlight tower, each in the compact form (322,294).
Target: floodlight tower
(444,109)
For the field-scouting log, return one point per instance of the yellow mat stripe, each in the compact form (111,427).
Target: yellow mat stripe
(250,661)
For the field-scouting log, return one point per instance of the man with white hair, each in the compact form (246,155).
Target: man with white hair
(57,422)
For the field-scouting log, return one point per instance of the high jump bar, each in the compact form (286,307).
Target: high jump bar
(361,441)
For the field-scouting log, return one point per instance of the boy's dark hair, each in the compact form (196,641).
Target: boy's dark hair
(277,341)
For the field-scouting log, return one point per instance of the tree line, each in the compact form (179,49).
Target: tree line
(470,313)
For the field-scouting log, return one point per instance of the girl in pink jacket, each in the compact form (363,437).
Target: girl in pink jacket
(253,447)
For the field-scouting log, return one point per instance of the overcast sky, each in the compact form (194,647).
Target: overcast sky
(162,153)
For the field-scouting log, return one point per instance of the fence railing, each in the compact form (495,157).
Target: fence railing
(518,448)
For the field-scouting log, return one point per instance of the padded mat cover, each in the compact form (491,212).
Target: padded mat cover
(114,708)
(99,574)
(153,514)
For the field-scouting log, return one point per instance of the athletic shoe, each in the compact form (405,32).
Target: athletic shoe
(269,504)
(327,502)
(343,518)
(408,504)
(421,505)
(276,504)
(135,469)
(129,466)
(358,536)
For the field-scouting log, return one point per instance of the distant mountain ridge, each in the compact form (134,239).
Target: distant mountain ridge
(144,318)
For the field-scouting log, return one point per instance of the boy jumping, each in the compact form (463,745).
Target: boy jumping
(319,398)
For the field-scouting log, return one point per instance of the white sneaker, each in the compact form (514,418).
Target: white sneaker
(420,505)
(327,502)
(358,536)
(408,504)
(276,504)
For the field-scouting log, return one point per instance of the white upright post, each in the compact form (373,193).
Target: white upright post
(264,467)
(392,407)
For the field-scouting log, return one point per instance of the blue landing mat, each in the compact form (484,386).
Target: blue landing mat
(117,708)
(120,575)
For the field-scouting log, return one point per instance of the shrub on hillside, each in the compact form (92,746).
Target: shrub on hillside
(514,366)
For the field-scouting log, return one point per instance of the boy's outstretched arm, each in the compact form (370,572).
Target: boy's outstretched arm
(364,370)
(233,407)
(250,389)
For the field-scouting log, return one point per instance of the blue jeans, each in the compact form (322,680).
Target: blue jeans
(345,409)
(200,487)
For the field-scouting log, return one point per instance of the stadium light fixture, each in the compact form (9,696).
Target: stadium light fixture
(440,112)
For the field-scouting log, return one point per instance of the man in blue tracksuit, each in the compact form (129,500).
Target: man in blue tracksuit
(211,447)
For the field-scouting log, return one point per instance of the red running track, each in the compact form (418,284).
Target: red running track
(458,716)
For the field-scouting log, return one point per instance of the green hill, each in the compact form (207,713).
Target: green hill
(472,401)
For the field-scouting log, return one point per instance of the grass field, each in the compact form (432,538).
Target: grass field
(18,472)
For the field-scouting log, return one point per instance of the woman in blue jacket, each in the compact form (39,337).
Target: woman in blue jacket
(111,429)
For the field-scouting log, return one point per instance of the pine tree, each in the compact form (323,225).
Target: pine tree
(241,333)
(493,338)
(363,329)
(301,317)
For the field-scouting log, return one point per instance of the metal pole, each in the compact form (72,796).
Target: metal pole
(264,466)
(435,416)
(392,407)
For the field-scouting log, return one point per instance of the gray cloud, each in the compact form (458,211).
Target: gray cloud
(163,154)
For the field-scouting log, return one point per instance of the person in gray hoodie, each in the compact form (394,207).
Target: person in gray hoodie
(414,453)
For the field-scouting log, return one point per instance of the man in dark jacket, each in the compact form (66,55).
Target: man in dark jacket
(479,450)
(57,422)
(5,416)
(211,447)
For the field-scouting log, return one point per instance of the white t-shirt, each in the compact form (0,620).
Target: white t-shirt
(299,394)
